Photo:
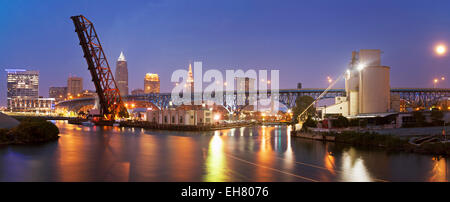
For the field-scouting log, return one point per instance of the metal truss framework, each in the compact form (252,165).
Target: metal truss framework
(105,85)
(424,97)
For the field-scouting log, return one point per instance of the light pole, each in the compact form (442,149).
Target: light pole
(435,81)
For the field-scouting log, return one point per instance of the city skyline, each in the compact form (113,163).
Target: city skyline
(237,36)
(241,92)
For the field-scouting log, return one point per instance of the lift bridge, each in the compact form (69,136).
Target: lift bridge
(105,85)
(413,97)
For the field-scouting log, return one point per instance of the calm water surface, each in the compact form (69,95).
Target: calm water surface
(242,154)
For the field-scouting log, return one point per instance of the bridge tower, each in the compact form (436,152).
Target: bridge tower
(108,93)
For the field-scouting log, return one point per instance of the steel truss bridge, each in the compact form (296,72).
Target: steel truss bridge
(414,97)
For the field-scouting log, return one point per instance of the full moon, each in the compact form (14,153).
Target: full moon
(441,49)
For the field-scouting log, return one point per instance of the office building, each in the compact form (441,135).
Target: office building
(151,83)
(22,84)
(121,76)
(74,86)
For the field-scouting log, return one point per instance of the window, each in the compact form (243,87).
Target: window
(165,119)
(173,119)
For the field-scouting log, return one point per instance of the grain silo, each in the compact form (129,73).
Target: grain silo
(367,86)
(374,84)
(351,85)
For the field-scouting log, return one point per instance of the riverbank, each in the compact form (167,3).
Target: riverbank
(373,139)
(172,127)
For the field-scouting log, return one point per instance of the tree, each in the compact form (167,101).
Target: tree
(301,103)
(310,122)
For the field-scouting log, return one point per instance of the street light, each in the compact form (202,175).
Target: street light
(360,67)
(217,117)
(435,81)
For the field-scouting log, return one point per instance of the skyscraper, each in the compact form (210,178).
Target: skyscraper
(22,84)
(74,86)
(121,75)
(151,83)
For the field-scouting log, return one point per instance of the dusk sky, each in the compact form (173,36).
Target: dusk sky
(306,40)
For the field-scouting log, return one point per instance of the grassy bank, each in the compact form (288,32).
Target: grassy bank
(370,139)
(390,143)
(30,131)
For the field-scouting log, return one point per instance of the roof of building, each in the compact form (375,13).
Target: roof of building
(121,57)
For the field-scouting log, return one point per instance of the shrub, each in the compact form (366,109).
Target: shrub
(5,136)
(370,139)
(310,123)
(35,131)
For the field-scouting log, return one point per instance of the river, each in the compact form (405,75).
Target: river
(242,154)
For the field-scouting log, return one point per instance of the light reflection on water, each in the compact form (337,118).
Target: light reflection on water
(216,160)
(265,153)
(353,167)
(439,173)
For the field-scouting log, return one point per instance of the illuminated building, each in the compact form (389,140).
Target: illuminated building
(22,84)
(74,86)
(180,117)
(151,83)
(121,75)
(38,105)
